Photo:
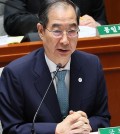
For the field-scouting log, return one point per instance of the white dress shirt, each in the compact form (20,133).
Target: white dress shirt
(52,67)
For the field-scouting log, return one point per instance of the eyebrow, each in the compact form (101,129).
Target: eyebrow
(59,25)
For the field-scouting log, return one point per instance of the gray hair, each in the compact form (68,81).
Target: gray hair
(47,4)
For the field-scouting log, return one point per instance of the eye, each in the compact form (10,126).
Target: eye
(72,32)
(57,32)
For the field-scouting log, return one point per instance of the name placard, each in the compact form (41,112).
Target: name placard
(108,30)
(109,130)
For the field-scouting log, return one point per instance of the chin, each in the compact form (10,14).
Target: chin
(63,61)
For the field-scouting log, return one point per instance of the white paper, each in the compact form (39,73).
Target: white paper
(86,31)
(4,40)
(94,133)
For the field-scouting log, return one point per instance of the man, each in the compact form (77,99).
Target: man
(24,19)
(24,82)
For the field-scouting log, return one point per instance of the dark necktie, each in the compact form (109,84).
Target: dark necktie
(62,93)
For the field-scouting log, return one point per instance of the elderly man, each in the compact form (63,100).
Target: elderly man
(71,99)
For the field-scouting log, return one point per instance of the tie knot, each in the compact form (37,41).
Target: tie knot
(61,75)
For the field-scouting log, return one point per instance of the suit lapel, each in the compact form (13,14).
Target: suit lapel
(42,82)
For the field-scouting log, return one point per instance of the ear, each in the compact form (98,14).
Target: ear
(40,30)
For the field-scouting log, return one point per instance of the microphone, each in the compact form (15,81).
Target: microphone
(34,118)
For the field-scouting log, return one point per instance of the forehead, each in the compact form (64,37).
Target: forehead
(62,14)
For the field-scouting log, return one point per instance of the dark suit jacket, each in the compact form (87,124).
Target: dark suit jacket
(20,22)
(24,82)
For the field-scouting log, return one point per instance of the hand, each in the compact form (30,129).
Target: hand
(85,127)
(74,123)
(87,20)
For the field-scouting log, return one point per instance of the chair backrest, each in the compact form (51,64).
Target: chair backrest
(2,31)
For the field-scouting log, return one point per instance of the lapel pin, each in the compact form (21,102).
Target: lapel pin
(79,79)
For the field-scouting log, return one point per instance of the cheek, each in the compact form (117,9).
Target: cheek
(50,44)
(73,45)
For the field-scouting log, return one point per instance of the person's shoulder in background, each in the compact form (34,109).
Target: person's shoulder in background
(20,17)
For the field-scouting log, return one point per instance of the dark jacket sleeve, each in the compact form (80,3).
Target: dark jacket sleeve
(19,21)
(94,8)
(99,13)
(101,114)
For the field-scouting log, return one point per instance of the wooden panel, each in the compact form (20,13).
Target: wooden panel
(113,11)
(108,50)
(10,52)
(113,84)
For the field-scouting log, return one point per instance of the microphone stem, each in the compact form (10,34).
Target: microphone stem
(33,123)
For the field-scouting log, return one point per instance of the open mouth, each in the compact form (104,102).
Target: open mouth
(63,51)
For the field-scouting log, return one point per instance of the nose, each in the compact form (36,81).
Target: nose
(64,40)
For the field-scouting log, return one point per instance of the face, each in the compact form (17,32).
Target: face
(59,48)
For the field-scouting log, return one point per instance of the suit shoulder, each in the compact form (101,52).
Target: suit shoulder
(85,55)
(85,58)
(24,60)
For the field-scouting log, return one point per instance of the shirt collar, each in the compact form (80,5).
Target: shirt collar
(52,66)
